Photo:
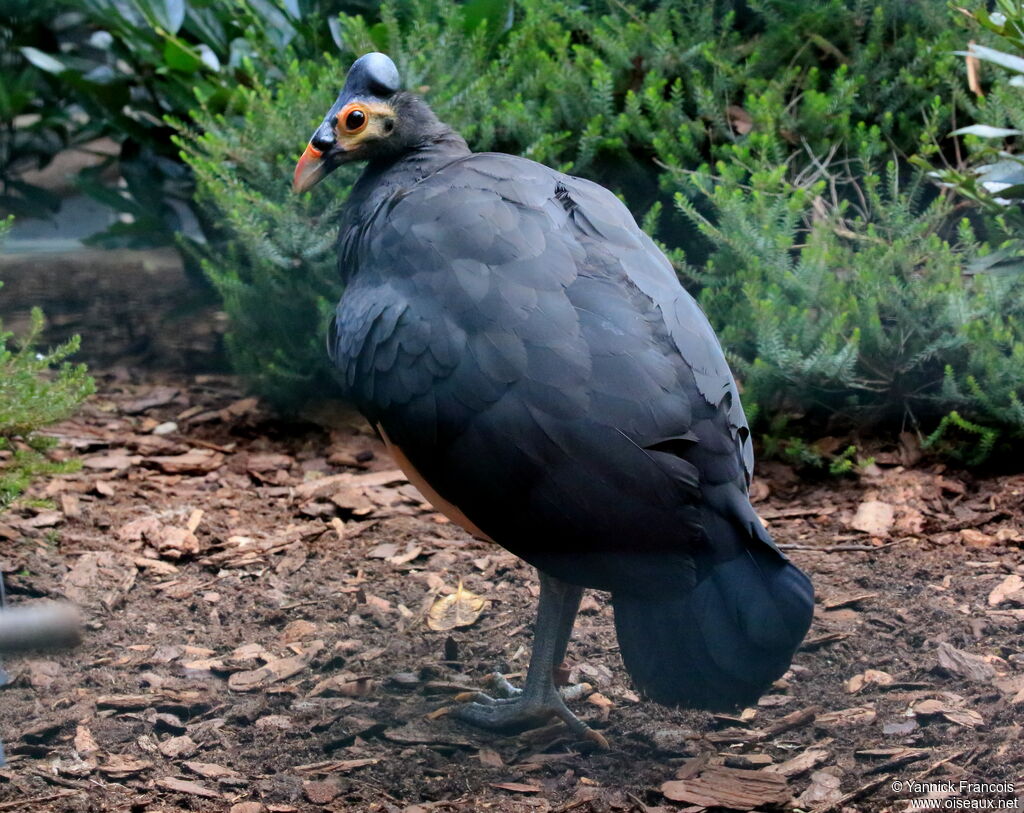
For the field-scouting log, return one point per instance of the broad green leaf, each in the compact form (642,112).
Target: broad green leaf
(174,14)
(1014,63)
(986,131)
(181,57)
(44,62)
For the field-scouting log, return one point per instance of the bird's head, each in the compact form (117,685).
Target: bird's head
(371,118)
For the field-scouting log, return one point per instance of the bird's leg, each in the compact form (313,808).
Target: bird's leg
(539,700)
(567,607)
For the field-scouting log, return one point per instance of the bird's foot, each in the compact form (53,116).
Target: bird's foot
(503,692)
(516,710)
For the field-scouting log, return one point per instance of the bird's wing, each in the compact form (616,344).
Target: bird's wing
(531,352)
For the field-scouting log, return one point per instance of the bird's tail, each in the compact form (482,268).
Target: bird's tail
(721,643)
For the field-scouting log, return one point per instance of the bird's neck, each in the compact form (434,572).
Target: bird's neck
(385,177)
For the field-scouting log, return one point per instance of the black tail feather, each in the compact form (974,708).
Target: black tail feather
(722,643)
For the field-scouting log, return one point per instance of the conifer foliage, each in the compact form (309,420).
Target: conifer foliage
(37,388)
(779,151)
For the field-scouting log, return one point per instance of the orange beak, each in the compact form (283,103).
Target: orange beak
(311,169)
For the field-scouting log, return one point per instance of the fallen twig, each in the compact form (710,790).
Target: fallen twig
(51,798)
(843,548)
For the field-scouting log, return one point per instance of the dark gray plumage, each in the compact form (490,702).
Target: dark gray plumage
(532,353)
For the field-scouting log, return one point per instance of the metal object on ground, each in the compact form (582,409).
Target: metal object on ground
(39,627)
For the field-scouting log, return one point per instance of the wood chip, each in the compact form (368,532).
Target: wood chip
(1009,589)
(858,715)
(335,766)
(801,763)
(120,766)
(847,601)
(343,686)
(490,758)
(729,787)
(277,670)
(211,770)
(194,461)
(187,786)
(321,793)
(517,787)
(177,747)
(869,677)
(955,714)
(823,789)
(964,664)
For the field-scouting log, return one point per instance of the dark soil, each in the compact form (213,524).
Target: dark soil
(256,637)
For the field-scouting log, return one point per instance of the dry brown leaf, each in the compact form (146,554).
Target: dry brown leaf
(874,517)
(460,609)
(739,119)
(973,70)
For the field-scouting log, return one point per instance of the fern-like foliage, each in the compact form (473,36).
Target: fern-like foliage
(612,91)
(36,389)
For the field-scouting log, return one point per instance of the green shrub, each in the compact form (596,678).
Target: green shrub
(608,93)
(36,389)
(841,295)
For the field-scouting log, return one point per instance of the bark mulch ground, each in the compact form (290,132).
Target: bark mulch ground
(257,597)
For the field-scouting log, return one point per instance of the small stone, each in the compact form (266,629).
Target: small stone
(166,428)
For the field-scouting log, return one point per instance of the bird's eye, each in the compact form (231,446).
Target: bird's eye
(355,121)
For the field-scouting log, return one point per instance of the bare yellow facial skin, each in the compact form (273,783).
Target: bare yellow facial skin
(355,125)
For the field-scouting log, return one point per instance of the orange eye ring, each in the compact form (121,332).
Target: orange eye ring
(353,118)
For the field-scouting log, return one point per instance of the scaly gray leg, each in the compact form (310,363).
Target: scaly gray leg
(539,700)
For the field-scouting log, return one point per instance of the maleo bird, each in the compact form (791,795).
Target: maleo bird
(532,362)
